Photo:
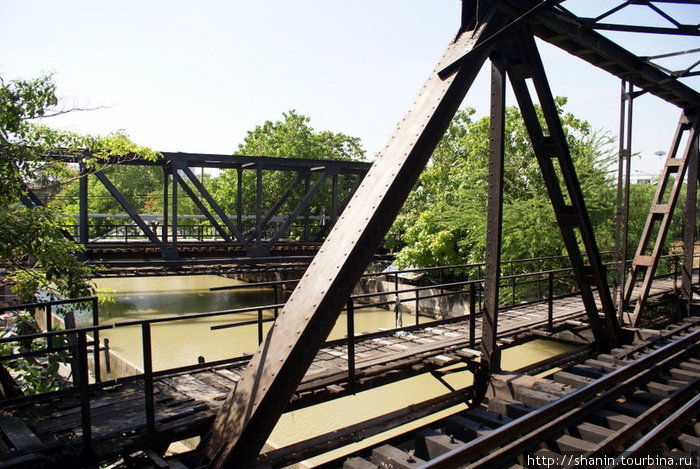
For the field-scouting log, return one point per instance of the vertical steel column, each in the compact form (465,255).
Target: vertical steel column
(166,176)
(258,206)
(239,198)
(691,202)
(307,213)
(351,344)
(648,253)
(623,193)
(83,230)
(570,210)
(334,199)
(148,392)
(176,176)
(81,376)
(275,370)
(490,352)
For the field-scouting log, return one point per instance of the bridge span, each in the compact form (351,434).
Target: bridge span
(103,420)
(159,407)
(279,208)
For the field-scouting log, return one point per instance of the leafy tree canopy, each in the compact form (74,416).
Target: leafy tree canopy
(295,138)
(33,251)
(292,137)
(444,221)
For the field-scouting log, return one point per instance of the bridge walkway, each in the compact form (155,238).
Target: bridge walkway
(48,428)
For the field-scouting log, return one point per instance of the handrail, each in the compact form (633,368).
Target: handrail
(81,345)
(42,304)
(41,335)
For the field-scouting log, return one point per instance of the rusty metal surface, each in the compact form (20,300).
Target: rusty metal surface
(565,193)
(251,412)
(651,242)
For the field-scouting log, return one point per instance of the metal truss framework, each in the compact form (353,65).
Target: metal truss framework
(651,243)
(307,180)
(504,31)
(250,412)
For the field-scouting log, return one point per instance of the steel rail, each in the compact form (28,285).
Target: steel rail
(652,439)
(557,412)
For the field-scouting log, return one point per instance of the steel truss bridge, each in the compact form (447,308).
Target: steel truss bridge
(266,227)
(503,33)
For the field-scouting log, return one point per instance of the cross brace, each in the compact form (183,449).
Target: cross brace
(550,147)
(249,414)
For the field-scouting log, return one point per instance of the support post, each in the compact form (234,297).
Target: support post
(351,344)
(83,220)
(166,177)
(334,199)
(550,301)
(148,377)
(174,223)
(81,358)
(258,206)
(275,370)
(307,213)
(472,316)
(490,352)
(96,338)
(691,201)
(239,198)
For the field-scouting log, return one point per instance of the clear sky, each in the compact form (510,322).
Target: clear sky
(195,76)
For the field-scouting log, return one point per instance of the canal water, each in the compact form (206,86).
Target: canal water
(180,343)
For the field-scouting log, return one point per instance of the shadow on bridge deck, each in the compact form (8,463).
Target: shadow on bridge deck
(48,428)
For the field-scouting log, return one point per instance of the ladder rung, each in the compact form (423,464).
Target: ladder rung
(674,162)
(547,146)
(644,261)
(660,208)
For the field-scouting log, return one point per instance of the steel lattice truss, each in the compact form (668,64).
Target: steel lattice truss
(650,43)
(502,32)
(659,17)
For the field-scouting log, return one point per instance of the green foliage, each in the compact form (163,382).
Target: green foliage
(33,375)
(33,251)
(292,137)
(444,221)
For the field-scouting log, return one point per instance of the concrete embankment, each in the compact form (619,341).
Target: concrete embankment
(436,303)
(118,366)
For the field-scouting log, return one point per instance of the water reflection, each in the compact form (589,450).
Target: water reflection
(180,343)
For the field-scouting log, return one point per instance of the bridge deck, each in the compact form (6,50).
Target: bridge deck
(47,428)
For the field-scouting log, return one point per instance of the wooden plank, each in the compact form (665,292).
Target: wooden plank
(228,374)
(18,434)
(216,381)
(196,389)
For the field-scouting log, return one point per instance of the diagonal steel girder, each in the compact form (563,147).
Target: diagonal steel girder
(552,151)
(252,410)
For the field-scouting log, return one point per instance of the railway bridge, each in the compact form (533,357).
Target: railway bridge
(281,211)
(235,421)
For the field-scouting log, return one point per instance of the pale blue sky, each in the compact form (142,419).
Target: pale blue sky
(195,76)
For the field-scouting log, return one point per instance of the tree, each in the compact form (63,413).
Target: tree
(444,221)
(34,253)
(292,137)
(141,186)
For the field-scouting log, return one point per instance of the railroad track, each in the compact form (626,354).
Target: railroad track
(635,400)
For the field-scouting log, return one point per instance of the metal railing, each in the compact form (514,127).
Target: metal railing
(298,230)
(556,282)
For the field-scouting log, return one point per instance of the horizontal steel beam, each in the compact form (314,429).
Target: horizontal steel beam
(572,35)
(202,160)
